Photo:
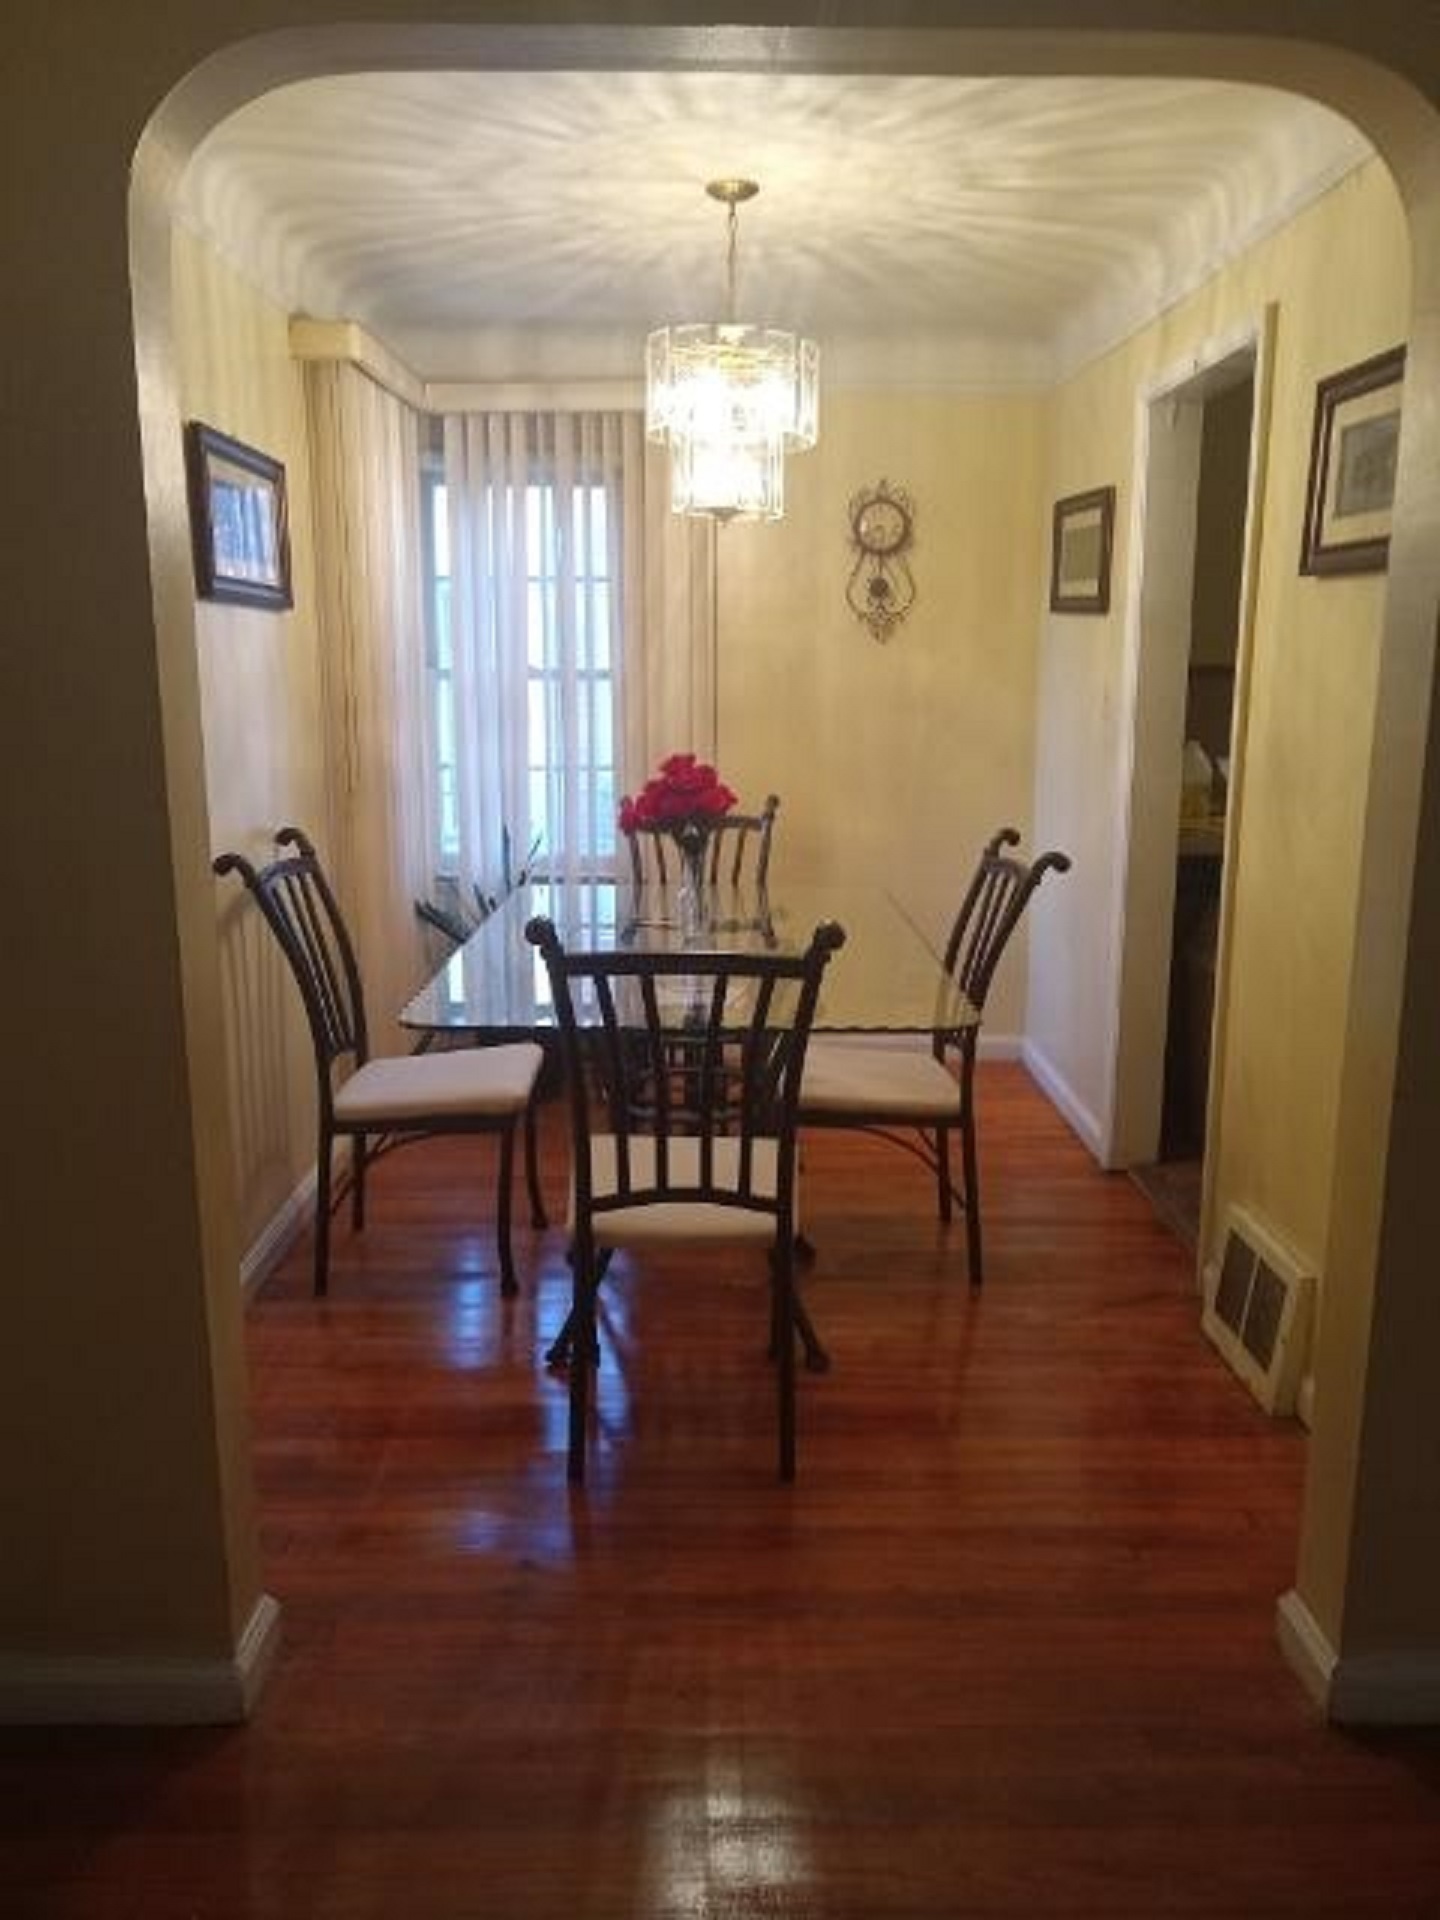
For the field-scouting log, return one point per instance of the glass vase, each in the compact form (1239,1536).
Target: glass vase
(692,901)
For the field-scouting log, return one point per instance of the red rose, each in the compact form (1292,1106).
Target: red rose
(683,788)
(696,778)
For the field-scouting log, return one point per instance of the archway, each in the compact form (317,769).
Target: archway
(1382,1195)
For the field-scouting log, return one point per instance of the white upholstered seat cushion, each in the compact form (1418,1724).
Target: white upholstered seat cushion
(888,1083)
(665,1220)
(476,1080)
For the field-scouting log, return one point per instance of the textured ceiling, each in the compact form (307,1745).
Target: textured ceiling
(505,225)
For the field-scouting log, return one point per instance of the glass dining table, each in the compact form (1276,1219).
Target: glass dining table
(889,977)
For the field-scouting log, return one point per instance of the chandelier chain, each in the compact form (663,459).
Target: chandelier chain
(732,221)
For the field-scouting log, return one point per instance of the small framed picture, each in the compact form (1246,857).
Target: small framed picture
(1351,487)
(1080,547)
(237,520)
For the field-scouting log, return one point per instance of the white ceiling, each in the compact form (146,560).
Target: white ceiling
(525,225)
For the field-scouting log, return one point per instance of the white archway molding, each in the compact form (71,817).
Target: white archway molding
(1364,1493)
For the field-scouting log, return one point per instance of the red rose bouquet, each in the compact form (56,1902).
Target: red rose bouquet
(685,800)
(686,797)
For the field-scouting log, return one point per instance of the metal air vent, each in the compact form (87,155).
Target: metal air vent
(1258,1305)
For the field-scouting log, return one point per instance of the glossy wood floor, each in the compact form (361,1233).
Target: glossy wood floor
(1005,1648)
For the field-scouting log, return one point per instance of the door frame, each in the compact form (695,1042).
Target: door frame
(1147,800)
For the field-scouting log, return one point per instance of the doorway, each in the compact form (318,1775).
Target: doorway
(1174,1178)
(1201,435)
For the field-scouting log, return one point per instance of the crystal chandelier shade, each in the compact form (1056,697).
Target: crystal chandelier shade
(730,400)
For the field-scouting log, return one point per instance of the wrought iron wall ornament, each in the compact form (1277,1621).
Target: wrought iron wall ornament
(881,588)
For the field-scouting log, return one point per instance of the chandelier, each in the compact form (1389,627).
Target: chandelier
(730,400)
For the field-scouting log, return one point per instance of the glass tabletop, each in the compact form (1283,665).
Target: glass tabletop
(887,978)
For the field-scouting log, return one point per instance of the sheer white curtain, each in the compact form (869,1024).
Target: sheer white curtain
(364,447)
(670,702)
(580,631)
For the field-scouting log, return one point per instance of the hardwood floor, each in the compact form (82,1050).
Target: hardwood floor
(1005,1648)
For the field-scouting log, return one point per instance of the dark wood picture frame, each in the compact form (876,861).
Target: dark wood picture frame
(1352,467)
(239,522)
(1081,543)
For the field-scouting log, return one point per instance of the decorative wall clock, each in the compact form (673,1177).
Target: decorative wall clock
(881,588)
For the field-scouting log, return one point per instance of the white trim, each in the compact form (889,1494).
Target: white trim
(1133,1056)
(1308,1652)
(275,1240)
(1368,1690)
(347,340)
(143,1691)
(1001,1046)
(1061,1094)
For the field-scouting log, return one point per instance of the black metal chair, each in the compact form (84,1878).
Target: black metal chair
(684,1073)
(384,1101)
(879,1089)
(654,858)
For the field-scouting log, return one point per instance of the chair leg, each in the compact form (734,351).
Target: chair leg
(509,1285)
(972,1200)
(944,1191)
(322,1215)
(782,1281)
(538,1215)
(359,1159)
(582,1343)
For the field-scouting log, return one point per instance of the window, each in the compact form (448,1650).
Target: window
(570,703)
(547,606)
(440,664)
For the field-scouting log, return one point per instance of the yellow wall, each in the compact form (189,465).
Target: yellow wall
(259,688)
(1307,742)
(894,761)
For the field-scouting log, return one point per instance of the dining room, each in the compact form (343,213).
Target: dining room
(989,692)
(412,1750)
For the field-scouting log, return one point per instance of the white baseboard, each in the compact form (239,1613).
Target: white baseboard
(145,1691)
(1057,1089)
(1305,1647)
(999,1046)
(286,1225)
(1365,1690)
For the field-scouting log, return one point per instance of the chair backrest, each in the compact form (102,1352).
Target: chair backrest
(704,1049)
(997,896)
(654,857)
(301,911)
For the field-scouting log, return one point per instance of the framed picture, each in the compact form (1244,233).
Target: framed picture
(237,520)
(1351,487)
(1082,537)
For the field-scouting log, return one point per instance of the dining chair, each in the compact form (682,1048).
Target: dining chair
(684,1075)
(915,1097)
(377,1103)
(654,857)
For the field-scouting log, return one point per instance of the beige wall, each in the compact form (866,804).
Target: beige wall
(1307,739)
(260,713)
(894,761)
(124,1470)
